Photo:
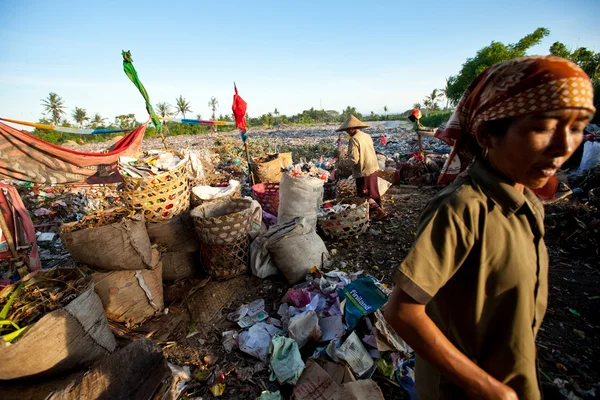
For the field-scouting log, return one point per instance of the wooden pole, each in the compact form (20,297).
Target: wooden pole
(9,237)
(249,165)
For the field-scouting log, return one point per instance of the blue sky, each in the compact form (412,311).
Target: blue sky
(289,55)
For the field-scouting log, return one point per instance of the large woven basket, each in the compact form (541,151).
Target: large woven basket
(347,223)
(160,197)
(223,222)
(196,201)
(267,195)
(226,261)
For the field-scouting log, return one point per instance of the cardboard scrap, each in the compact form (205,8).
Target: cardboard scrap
(316,384)
(325,380)
(365,389)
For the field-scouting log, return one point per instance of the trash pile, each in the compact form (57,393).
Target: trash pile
(331,209)
(575,225)
(149,163)
(328,337)
(307,170)
(52,204)
(420,170)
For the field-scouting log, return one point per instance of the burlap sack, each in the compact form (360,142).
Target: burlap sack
(118,246)
(134,372)
(176,234)
(131,297)
(179,265)
(267,169)
(63,340)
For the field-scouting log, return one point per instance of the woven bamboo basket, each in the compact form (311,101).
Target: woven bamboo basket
(347,223)
(226,261)
(267,195)
(388,174)
(223,222)
(160,197)
(196,201)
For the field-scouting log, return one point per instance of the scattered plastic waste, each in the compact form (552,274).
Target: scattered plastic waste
(307,170)
(149,163)
(286,361)
(256,340)
(305,327)
(266,395)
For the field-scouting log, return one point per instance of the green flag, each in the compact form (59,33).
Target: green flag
(133,76)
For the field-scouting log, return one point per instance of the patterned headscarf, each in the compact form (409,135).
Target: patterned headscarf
(513,88)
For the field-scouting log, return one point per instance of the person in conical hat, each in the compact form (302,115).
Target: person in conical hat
(362,157)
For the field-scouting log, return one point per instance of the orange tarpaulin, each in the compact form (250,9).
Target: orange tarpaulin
(28,158)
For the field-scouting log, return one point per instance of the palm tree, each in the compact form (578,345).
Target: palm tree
(276,113)
(55,106)
(198,117)
(445,91)
(164,110)
(182,105)
(97,121)
(372,116)
(427,103)
(385,110)
(434,97)
(213,104)
(80,116)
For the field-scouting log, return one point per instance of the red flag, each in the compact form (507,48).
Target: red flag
(383,139)
(239,110)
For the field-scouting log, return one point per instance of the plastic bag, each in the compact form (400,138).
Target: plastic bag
(590,157)
(209,192)
(362,297)
(286,361)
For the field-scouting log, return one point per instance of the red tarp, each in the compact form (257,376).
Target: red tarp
(27,158)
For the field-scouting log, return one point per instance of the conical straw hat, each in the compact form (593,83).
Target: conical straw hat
(351,122)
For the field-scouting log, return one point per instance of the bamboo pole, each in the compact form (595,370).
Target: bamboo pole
(9,237)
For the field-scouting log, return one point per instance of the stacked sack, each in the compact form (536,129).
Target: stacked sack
(129,278)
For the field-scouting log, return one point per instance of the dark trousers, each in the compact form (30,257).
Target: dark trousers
(367,187)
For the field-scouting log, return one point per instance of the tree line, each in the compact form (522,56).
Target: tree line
(498,52)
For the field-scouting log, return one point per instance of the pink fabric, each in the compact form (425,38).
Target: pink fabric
(12,206)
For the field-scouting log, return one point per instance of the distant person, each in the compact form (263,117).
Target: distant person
(363,160)
(472,292)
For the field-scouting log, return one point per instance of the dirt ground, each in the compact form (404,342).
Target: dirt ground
(567,344)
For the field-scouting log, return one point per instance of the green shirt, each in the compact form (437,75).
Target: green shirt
(480,264)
